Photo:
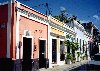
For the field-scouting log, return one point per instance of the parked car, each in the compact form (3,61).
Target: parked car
(95,61)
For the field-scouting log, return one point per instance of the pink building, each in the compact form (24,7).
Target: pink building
(23,37)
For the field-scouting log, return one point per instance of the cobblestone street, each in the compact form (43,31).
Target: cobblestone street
(66,67)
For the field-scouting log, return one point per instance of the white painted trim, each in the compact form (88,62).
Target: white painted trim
(70,31)
(62,39)
(50,52)
(42,39)
(78,25)
(26,31)
(31,48)
(49,43)
(32,9)
(54,37)
(58,51)
(45,44)
(32,18)
(17,33)
(9,30)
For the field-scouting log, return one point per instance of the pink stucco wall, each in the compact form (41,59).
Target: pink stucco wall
(38,30)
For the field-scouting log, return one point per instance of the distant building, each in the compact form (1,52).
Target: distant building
(79,35)
(83,38)
(94,31)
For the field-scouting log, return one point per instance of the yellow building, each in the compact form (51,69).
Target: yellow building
(57,27)
(56,46)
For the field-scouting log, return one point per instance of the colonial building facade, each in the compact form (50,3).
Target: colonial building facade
(32,40)
(56,45)
(24,35)
(83,39)
(94,31)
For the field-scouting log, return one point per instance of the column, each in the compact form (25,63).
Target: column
(50,52)
(8,29)
(17,32)
(88,50)
(58,51)
(99,47)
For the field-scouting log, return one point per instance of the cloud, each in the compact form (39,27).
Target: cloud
(84,21)
(62,8)
(96,17)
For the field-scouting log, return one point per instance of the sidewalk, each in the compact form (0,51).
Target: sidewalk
(65,67)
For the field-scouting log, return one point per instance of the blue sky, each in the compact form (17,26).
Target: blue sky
(85,10)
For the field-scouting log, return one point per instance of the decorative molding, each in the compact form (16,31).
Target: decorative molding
(56,35)
(32,9)
(32,16)
(52,24)
(61,28)
(27,33)
(78,25)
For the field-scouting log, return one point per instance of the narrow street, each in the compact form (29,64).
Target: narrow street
(49,35)
(81,68)
(78,66)
(85,67)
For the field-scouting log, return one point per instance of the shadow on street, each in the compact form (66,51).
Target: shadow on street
(86,67)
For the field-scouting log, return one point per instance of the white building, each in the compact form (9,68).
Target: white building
(57,35)
(83,38)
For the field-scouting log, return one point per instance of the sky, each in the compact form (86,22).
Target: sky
(85,10)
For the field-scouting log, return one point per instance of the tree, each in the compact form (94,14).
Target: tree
(62,16)
(73,46)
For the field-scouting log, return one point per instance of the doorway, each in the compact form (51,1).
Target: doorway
(62,55)
(27,47)
(42,53)
(54,51)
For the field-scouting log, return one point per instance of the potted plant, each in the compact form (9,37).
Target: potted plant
(68,58)
(86,55)
(73,59)
(73,46)
(78,56)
